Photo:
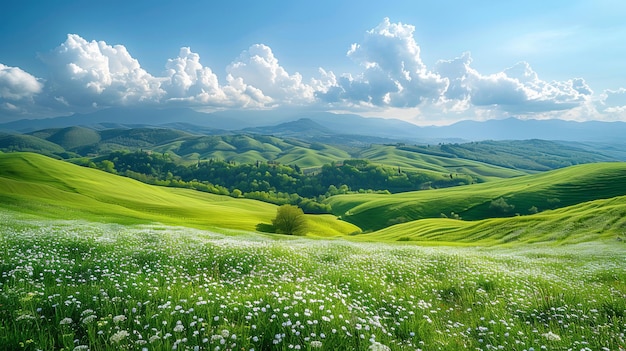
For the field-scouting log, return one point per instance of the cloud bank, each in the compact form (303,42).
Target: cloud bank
(390,79)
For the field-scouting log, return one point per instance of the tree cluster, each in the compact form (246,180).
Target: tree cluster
(270,181)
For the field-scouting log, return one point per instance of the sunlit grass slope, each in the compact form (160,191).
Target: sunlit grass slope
(391,155)
(589,221)
(549,190)
(253,148)
(40,185)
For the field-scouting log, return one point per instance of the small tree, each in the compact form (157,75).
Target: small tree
(500,205)
(290,220)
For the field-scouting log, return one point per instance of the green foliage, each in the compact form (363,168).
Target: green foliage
(501,207)
(290,220)
(536,155)
(273,182)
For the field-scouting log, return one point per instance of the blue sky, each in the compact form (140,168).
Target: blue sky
(424,62)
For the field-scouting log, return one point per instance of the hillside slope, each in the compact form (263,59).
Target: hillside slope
(589,221)
(40,185)
(548,190)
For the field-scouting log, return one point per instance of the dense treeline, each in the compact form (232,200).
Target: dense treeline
(536,155)
(272,182)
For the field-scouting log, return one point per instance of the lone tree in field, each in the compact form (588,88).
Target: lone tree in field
(501,206)
(290,220)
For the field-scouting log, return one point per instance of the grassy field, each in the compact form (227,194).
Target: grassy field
(79,285)
(414,161)
(555,189)
(600,220)
(95,261)
(40,185)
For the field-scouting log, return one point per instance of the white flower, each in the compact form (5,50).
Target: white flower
(376,346)
(89,319)
(119,336)
(119,318)
(551,336)
(65,321)
(316,344)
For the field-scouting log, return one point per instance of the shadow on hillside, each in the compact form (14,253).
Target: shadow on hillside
(265,228)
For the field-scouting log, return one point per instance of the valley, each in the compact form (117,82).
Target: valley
(157,238)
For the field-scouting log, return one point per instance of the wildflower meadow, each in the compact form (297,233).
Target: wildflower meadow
(72,285)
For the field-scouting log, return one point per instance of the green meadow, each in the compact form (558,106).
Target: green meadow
(81,285)
(544,191)
(94,261)
(40,185)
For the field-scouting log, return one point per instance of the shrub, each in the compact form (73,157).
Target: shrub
(290,220)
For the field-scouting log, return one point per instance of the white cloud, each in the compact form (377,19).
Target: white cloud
(613,104)
(187,77)
(391,80)
(18,90)
(394,74)
(187,81)
(516,90)
(93,72)
(16,84)
(259,68)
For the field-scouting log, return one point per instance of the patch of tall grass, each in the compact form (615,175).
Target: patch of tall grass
(72,285)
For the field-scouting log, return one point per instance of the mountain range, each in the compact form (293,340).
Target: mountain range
(328,126)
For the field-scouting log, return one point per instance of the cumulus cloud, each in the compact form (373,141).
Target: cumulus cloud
(17,90)
(186,77)
(16,84)
(394,74)
(391,79)
(517,89)
(188,81)
(259,68)
(93,72)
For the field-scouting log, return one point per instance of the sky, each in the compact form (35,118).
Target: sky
(429,63)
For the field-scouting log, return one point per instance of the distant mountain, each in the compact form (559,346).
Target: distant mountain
(303,127)
(122,116)
(326,125)
(517,129)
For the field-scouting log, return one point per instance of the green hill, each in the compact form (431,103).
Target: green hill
(532,155)
(69,138)
(40,185)
(23,142)
(243,148)
(481,161)
(523,195)
(595,220)
(442,163)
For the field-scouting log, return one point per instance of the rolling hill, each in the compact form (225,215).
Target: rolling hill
(43,186)
(481,160)
(589,221)
(29,143)
(592,205)
(548,190)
